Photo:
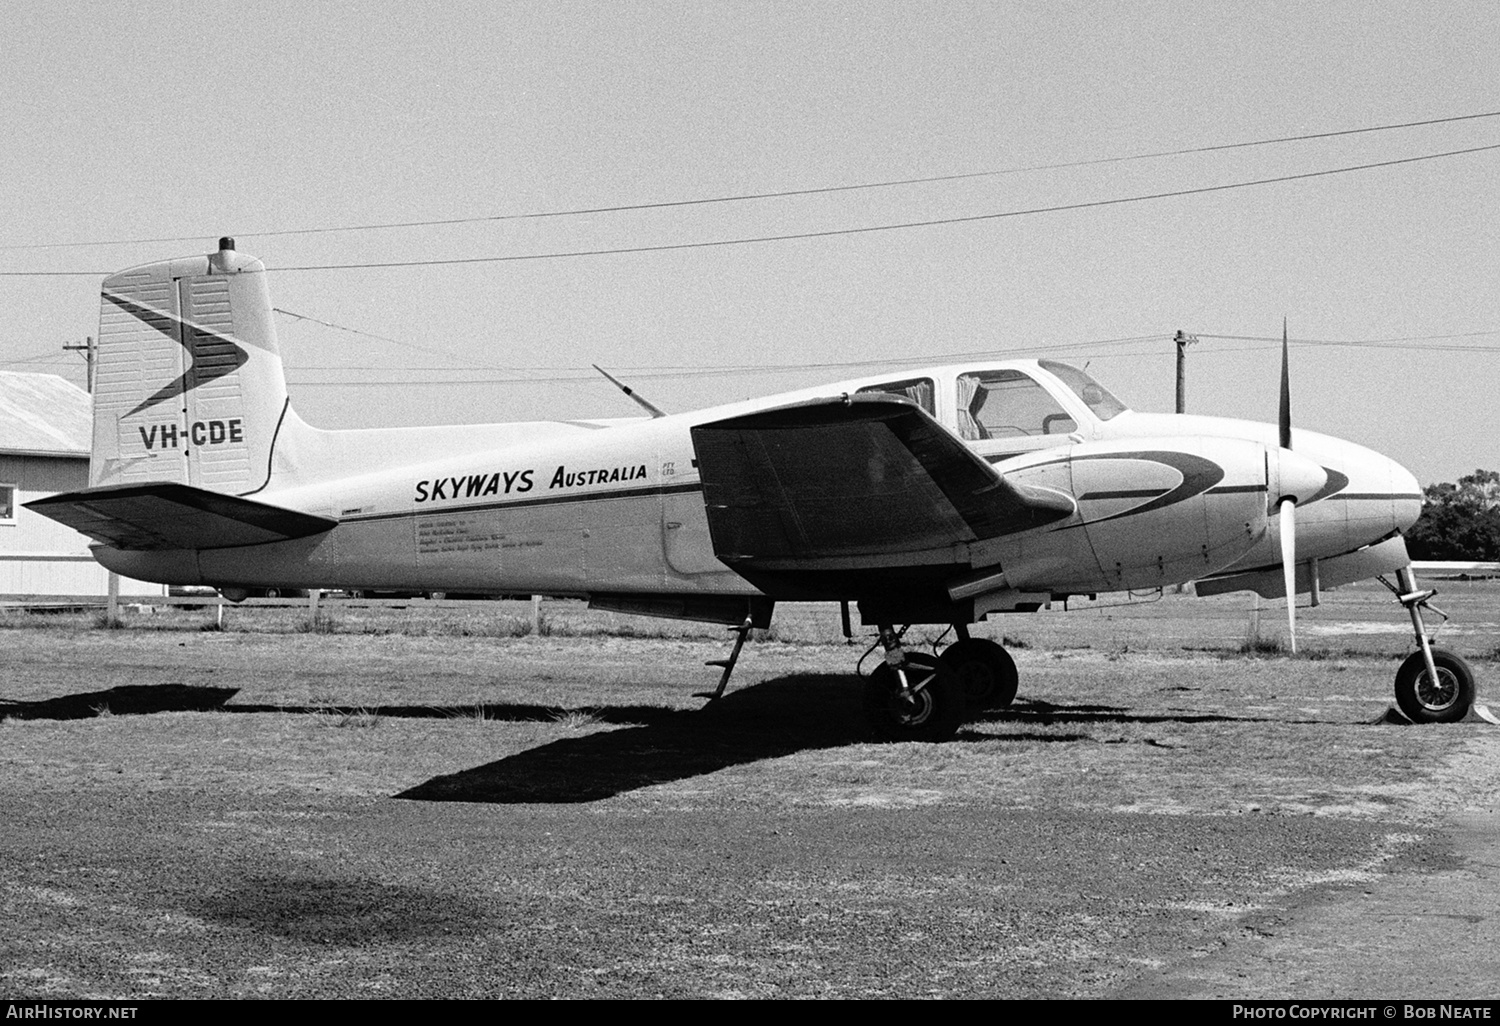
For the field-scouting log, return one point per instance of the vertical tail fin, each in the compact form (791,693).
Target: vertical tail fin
(189,385)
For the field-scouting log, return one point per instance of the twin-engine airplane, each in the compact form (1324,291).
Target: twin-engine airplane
(936,496)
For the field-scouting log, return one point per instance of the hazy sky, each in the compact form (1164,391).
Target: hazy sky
(187,121)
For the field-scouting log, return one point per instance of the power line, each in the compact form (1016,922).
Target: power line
(938,222)
(550,374)
(781,194)
(834,232)
(1406,342)
(380,338)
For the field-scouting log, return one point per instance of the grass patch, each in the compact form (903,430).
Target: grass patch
(105,622)
(320,624)
(1258,645)
(577,719)
(361,719)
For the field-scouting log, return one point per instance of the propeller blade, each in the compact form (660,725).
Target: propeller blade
(1284,416)
(1289,565)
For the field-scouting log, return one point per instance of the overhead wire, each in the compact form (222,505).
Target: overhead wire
(1097,349)
(784,193)
(1402,342)
(656,372)
(382,338)
(836,232)
(862,230)
(902,226)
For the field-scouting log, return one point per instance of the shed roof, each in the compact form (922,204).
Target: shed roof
(43,415)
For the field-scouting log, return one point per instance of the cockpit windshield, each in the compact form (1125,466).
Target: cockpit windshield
(1094,395)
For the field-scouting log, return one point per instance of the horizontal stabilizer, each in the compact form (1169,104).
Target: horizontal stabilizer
(176,516)
(861,475)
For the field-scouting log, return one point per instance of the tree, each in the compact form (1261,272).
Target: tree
(1460,521)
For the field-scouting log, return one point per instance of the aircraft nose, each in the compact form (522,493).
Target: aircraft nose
(1408,498)
(1297,477)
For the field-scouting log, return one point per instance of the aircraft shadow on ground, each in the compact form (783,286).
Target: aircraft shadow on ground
(779,717)
(652,745)
(1046,713)
(125,700)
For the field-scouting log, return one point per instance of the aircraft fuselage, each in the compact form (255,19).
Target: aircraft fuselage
(618,507)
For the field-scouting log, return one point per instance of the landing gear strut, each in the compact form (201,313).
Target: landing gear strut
(1433,685)
(912,696)
(740,634)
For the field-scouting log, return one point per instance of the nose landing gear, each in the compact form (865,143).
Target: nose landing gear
(1433,684)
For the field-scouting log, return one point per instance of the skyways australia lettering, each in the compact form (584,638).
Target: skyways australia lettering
(474,486)
(565,478)
(479,486)
(199,432)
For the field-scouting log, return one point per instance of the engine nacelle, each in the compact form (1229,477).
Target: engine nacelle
(1151,512)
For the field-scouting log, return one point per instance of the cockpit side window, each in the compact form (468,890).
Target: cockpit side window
(1008,404)
(918,390)
(1094,395)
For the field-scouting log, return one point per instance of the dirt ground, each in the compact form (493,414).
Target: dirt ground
(434,802)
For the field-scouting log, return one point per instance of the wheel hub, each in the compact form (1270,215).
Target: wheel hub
(1440,695)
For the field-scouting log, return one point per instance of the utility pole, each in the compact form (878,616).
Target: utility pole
(1183,340)
(88,349)
(112,602)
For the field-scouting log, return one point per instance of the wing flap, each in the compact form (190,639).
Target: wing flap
(858,476)
(176,516)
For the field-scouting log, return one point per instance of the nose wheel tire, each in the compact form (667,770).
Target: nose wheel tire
(1445,700)
(931,711)
(985,672)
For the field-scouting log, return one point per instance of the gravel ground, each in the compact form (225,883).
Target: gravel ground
(554,817)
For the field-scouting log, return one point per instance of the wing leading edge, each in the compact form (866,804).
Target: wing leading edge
(176,516)
(864,479)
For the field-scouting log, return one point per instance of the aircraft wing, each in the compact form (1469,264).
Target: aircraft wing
(862,478)
(175,516)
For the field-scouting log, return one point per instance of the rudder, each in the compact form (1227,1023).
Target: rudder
(189,386)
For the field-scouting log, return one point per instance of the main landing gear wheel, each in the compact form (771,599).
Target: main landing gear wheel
(985,672)
(931,710)
(1446,700)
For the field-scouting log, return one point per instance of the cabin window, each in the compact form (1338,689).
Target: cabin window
(7,504)
(918,390)
(1098,398)
(1008,404)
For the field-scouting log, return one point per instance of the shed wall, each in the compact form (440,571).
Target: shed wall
(28,539)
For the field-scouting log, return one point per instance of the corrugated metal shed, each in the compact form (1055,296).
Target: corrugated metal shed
(43,415)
